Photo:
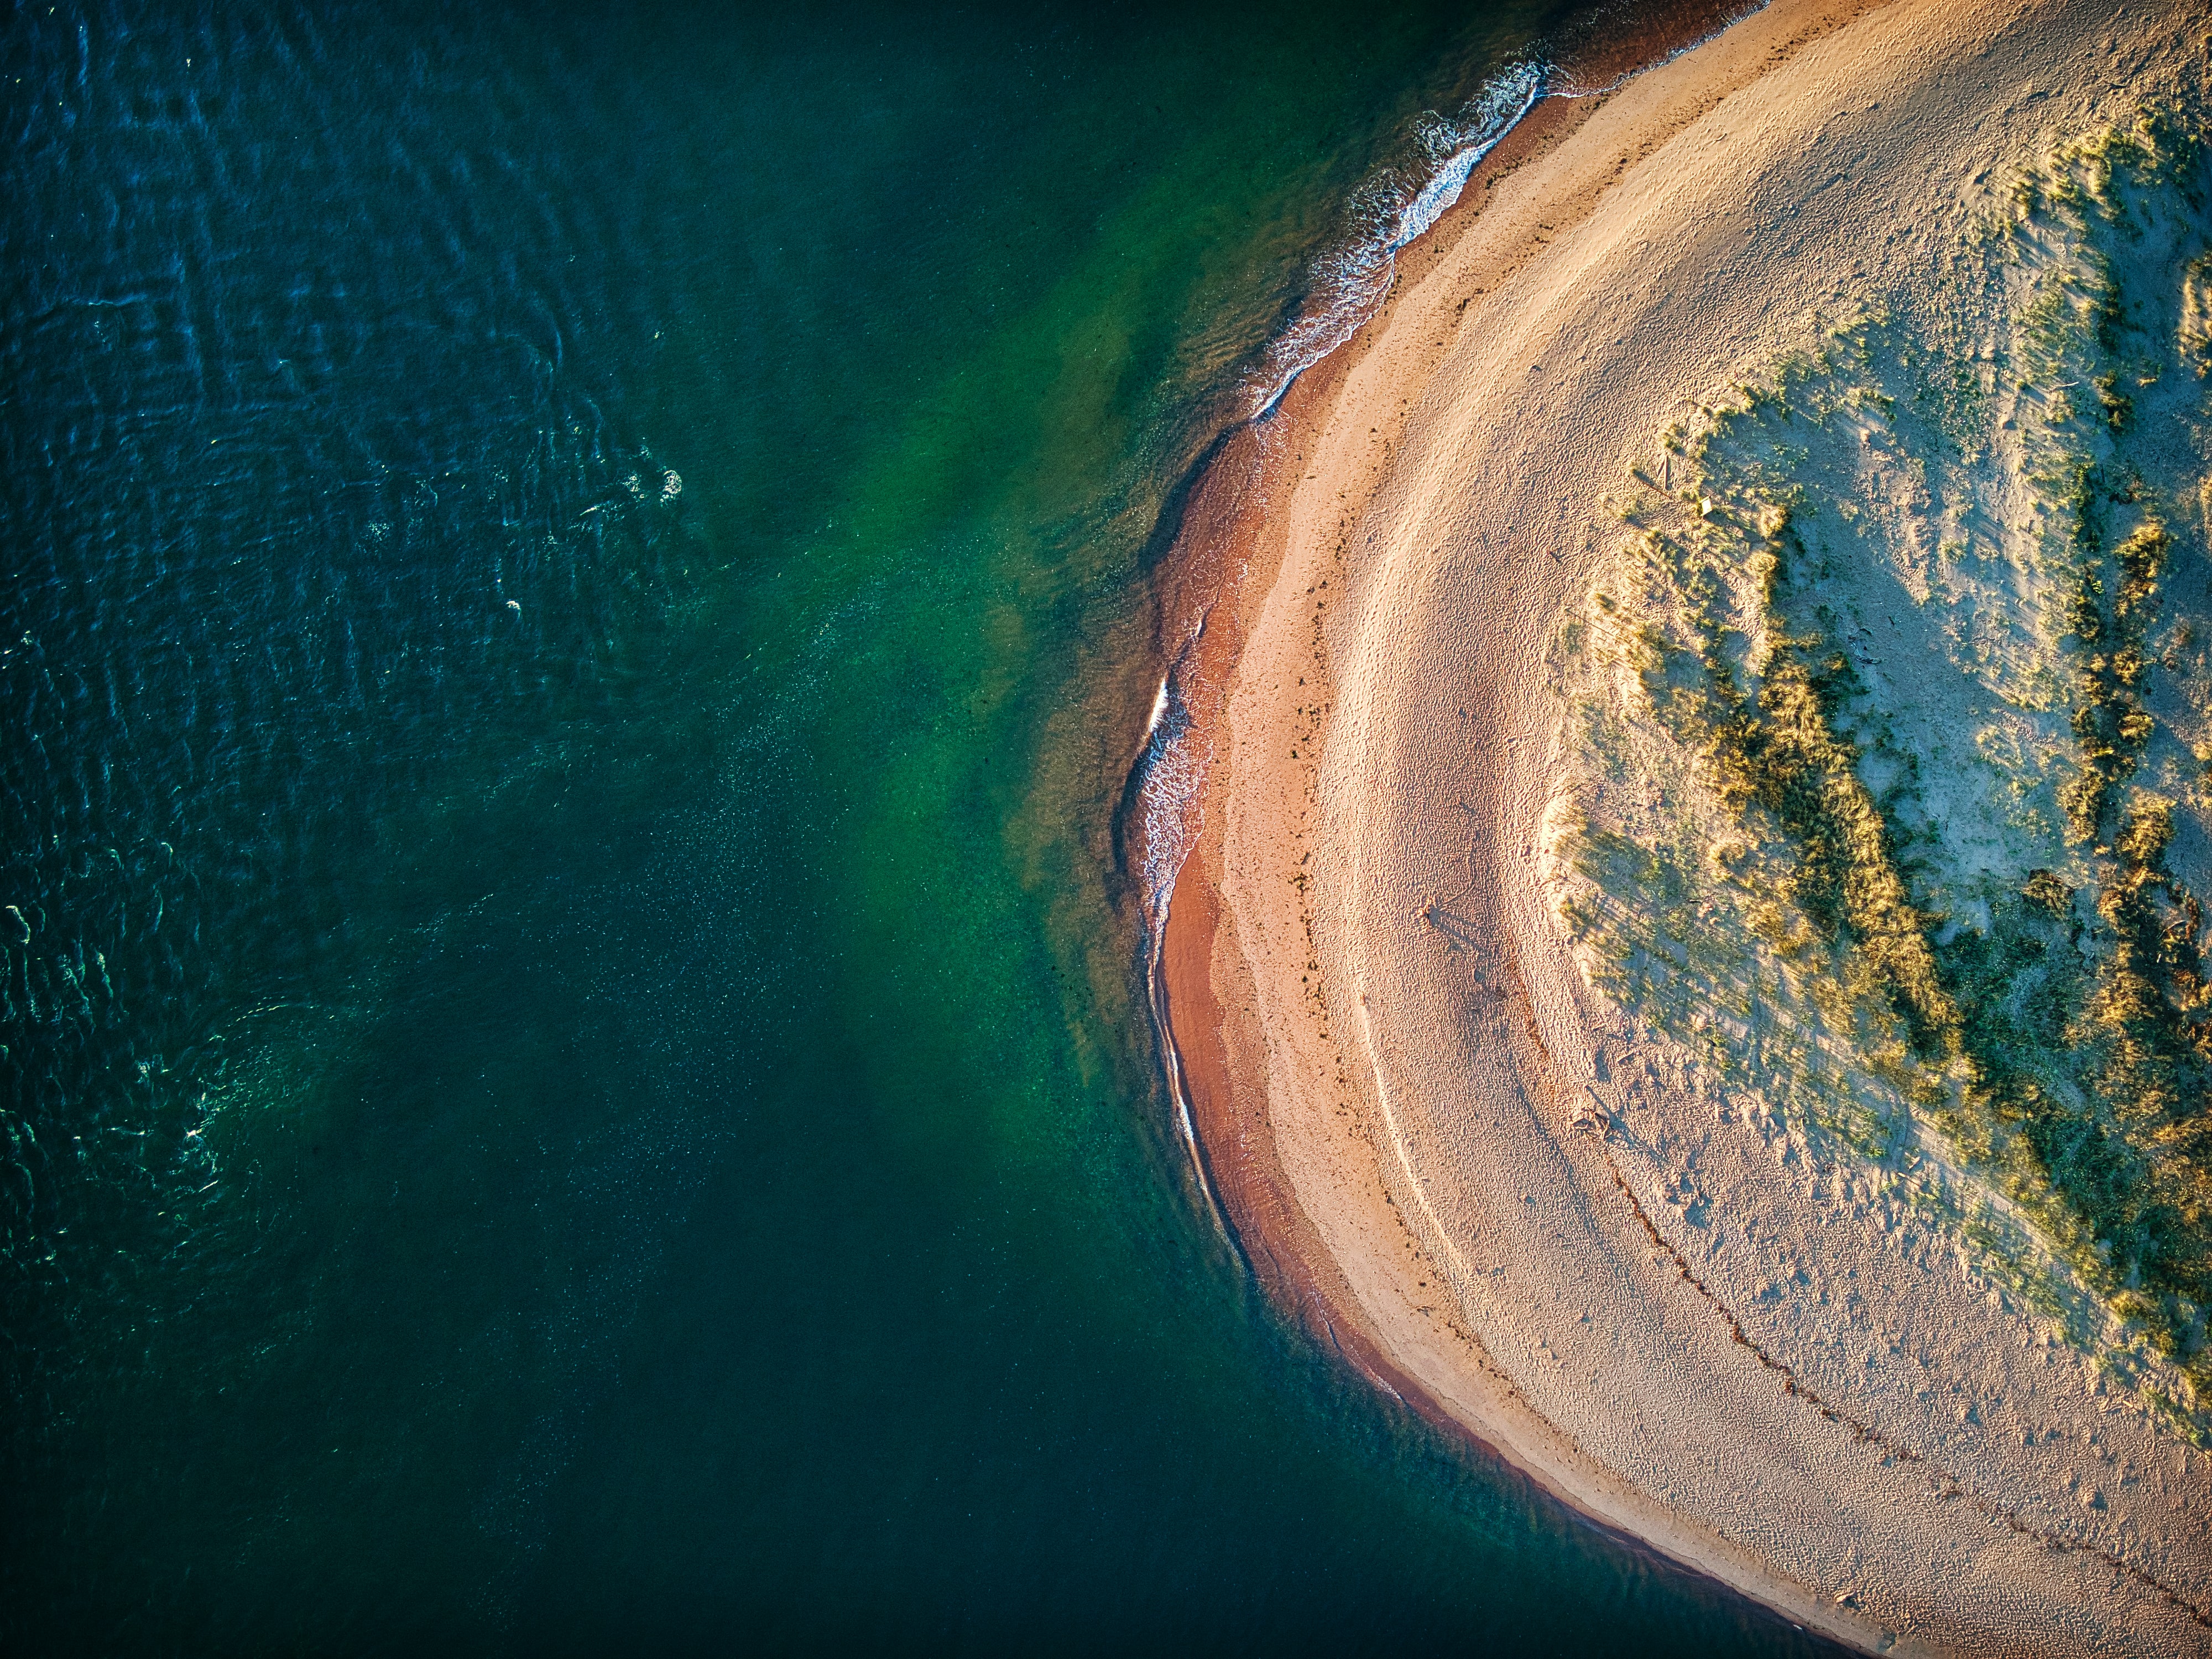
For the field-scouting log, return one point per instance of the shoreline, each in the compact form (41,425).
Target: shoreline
(1285,1117)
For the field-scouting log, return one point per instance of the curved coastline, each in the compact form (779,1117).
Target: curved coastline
(1224,547)
(1391,1067)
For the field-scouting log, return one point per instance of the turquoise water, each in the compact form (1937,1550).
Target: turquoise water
(575,619)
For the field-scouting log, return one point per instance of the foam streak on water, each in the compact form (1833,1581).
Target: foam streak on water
(1349,285)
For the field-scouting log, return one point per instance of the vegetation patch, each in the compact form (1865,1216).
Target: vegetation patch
(1889,798)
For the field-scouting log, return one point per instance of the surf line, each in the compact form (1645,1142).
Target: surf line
(1168,778)
(1364,273)
(1170,774)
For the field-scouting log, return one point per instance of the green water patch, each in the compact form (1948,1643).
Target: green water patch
(625,1121)
(1921,605)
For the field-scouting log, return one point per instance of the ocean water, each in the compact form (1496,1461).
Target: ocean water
(575,616)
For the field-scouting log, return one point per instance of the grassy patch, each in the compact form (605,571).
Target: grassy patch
(1894,724)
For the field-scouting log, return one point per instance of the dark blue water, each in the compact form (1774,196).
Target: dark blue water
(573,620)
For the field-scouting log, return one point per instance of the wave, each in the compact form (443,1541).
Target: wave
(1171,768)
(1349,285)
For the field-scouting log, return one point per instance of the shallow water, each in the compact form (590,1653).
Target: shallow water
(575,621)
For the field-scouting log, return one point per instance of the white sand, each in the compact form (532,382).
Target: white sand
(1740,1359)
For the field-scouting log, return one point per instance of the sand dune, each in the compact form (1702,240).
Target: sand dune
(1515,1190)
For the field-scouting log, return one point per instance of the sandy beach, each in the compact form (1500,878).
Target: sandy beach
(1501,1196)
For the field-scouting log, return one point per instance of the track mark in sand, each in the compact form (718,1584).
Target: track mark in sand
(1949,1485)
(1390,1129)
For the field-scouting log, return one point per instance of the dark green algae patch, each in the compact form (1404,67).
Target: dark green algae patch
(1876,928)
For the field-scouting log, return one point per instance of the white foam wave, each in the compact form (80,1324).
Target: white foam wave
(1173,769)
(1348,286)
